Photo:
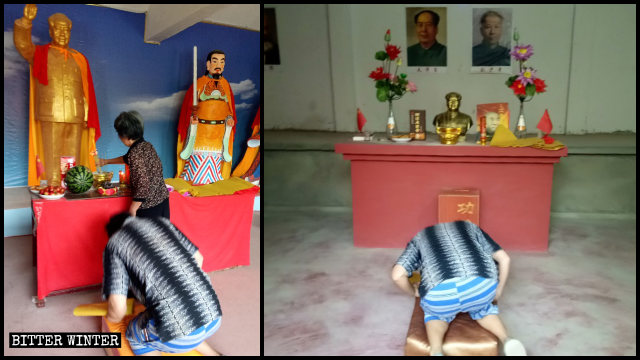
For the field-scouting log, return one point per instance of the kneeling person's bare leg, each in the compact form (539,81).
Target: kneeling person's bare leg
(206,350)
(152,353)
(494,325)
(509,346)
(435,332)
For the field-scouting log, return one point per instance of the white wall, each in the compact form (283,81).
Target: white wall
(298,92)
(585,53)
(602,96)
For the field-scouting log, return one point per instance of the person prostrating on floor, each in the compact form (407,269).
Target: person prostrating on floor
(457,274)
(163,268)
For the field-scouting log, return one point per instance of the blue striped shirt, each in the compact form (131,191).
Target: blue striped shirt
(449,250)
(155,259)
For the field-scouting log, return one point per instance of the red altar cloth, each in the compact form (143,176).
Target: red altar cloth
(220,226)
(70,234)
(395,190)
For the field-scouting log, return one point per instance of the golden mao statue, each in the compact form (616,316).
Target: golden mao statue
(452,117)
(63,117)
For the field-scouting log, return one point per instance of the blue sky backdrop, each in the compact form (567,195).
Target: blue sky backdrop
(129,74)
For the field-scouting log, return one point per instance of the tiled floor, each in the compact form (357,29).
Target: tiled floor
(324,296)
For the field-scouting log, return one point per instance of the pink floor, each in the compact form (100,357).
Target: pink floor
(238,290)
(323,296)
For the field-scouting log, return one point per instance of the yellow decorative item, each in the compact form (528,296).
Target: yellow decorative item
(222,187)
(99,309)
(179,184)
(415,278)
(503,137)
(448,135)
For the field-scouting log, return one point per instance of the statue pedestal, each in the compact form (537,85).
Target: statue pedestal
(395,190)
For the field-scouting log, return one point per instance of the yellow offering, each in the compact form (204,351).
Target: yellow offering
(99,309)
(503,137)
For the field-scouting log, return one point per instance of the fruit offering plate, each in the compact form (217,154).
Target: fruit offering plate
(401,138)
(108,191)
(36,189)
(51,197)
(49,192)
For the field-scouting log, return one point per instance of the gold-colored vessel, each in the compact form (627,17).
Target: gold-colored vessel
(449,135)
(101,178)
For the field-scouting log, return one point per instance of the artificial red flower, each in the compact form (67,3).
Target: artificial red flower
(540,85)
(379,74)
(518,88)
(392,51)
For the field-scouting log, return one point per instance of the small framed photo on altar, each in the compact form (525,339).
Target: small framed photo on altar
(417,124)
(491,43)
(427,38)
(495,114)
(270,50)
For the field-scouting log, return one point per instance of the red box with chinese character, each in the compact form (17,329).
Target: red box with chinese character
(459,204)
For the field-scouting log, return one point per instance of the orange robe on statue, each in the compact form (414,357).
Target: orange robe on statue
(247,166)
(212,111)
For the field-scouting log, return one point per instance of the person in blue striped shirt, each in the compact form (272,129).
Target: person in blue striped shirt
(163,270)
(458,273)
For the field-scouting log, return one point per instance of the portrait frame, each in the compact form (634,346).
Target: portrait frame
(412,39)
(270,49)
(502,111)
(491,60)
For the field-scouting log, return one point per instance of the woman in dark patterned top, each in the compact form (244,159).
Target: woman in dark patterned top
(149,192)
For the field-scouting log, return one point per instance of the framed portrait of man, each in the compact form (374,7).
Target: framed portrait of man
(491,40)
(270,49)
(495,114)
(426,36)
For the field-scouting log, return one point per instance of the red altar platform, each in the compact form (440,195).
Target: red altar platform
(70,235)
(396,186)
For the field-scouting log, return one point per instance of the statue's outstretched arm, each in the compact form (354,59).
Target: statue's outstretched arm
(22,33)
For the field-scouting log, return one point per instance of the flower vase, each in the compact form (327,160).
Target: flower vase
(392,129)
(521,127)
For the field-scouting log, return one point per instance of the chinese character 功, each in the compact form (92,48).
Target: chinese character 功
(465,208)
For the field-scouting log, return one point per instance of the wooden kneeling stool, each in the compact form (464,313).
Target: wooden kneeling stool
(465,337)
(121,327)
(100,309)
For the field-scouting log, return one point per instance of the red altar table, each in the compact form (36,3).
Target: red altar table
(70,235)
(395,190)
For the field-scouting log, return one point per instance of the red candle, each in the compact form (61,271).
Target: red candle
(483,130)
(126,174)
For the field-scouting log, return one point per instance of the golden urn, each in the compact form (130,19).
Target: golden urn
(449,135)
(101,178)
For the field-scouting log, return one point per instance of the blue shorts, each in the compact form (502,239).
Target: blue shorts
(139,344)
(473,295)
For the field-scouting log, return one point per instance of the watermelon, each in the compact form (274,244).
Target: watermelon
(79,179)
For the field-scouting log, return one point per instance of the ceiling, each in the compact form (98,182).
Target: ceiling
(165,20)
